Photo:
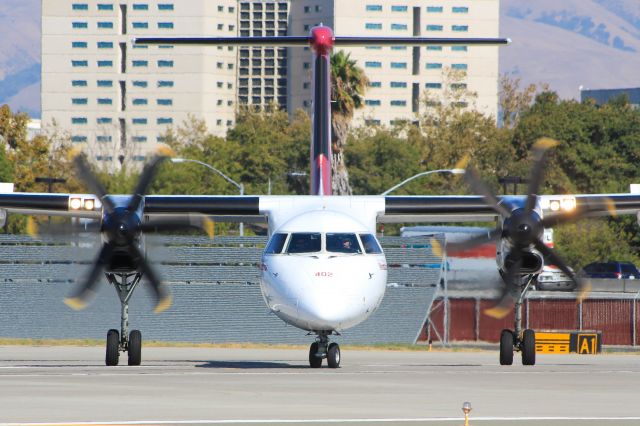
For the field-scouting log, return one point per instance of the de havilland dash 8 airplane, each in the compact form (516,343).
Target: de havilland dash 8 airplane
(323,269)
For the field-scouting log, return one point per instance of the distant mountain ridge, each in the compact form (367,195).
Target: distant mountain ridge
(566,43)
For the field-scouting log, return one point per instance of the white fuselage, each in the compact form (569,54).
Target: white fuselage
(323,287)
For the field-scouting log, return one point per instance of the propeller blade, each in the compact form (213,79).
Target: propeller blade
(181,223)
(86,292)
(476,241)
(479,187)
(160,291)
(147,176)
(507,299)
(539,151)
(83,170)
(584,288)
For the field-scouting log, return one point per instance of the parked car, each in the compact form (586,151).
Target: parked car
(612,269)
(553,279)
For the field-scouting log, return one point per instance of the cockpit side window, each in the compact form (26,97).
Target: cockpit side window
(305,242)
(343,243)
(370,244)
(276,244)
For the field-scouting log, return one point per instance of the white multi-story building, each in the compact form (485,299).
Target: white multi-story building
(401,77)
(117,99)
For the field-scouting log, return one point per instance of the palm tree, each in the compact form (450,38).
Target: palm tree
(347,90)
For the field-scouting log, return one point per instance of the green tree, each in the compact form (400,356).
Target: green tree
(347,94)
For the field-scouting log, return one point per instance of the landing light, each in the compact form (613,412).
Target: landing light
(75,203)
(566,204)
(89,204)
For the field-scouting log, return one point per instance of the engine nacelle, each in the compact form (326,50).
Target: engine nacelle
(532,259)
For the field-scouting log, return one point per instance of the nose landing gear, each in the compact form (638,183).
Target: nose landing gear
(518,340)
(321,349)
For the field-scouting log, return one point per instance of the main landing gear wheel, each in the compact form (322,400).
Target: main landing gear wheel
(528,347)
(113,347)
(506,347)
(315,359)
(135,347)
(333,356)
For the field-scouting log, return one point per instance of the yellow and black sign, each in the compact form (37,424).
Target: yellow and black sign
(564,342)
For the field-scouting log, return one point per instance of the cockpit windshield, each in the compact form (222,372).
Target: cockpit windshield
(305,242)
(343,243)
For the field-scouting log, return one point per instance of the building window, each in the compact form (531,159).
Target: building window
(139,121)
(399,8)
(434,9)
(398,47)
(105,83)
(374,8)
(78,120)
(104,120)
(105,45)
(434,48)
(372,122)
(434,66)
(373,64)
(79,63)
(161,139)
(77,138)
(141,25)
(373,26)
(140,6)
(375,84)
(80,6)
(165,6)
(165,64)
(372,102)
(103,139)
(458,86)
(460,9)
(433,85)
(373,47)
(398,84)
(398,103)
(139,139)
(104,6)
(165,102)
(165,83)
(103,157)
(397,27)
(140,83)
(79,44)
(80,25)
(164,120)
(139,158)
(140,63)
(105,101)
(165,25)
(107,25)
(459,48)
(399,65)
(460,28)
(140,101)
(103,64)
(79,101)
(459,66)
(79,83)
(432,27)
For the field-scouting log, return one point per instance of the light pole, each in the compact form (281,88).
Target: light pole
(452,171)
(240,186)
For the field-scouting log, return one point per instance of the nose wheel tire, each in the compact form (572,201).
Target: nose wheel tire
(528,347)
(333,356)
(135,347)
(113,347)
(315,360)
(506,347)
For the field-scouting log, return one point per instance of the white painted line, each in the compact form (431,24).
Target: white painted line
(312,421)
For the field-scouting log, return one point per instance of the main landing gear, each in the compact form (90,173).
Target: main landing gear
(321,349)
(123,341)
(523,341)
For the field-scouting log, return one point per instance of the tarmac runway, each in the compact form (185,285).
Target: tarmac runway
(62,385)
